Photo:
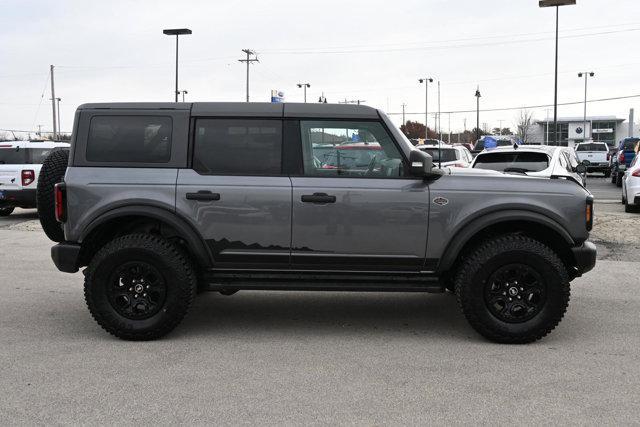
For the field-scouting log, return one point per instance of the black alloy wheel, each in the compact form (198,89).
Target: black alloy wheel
(515,293)
(137,290)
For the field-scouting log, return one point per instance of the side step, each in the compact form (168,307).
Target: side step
(314,281)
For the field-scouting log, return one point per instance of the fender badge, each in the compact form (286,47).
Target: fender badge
(441,201)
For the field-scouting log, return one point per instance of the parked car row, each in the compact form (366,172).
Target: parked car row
(20,163)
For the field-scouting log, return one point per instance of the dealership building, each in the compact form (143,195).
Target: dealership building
(573,130)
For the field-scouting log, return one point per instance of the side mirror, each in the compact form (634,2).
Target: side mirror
(581,169)
(421,164)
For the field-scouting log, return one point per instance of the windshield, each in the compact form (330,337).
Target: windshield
(448,154)
(526,162)
(592,147)
(352,158)
(630,145)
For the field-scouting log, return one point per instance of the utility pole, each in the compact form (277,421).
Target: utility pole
(439,113)
(53,104)
(304,86)
(478,96)
(249,60)
(404,122)
(39,130)
(586,78)
(59,127)
(426,82)
(449,128)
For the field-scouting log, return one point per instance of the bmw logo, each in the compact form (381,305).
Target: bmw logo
(579,130)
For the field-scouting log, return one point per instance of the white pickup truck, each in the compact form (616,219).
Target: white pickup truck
(20,163)
(597,153)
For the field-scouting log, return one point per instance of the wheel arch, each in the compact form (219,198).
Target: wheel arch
(532,224)
(129,219)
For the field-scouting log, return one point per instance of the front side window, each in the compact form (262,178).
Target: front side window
(238,147)
(525,162)
(129,139)
(349,149)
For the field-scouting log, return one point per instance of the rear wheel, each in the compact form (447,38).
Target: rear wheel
(6,211)
(52,172)
(513,289)
(139,287)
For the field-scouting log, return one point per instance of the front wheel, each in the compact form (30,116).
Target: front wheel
(513,289)
(139,286)
(6,211)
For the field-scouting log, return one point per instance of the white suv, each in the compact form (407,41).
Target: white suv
(20,163)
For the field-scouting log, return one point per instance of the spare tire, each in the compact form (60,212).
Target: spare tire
(52,172)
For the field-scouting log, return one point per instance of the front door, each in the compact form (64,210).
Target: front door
(235,193)
(354,208)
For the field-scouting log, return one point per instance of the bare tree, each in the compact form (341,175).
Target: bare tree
(524,120)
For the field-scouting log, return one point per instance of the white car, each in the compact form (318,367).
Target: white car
(20,163)
(534,160)
(631,187)
(448,155)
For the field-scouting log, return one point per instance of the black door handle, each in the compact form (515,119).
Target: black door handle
(203,195)
(318,198)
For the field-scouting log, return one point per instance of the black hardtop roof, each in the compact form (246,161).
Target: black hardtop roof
(239,109)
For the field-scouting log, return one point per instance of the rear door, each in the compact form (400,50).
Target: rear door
(235,191)
(355,216)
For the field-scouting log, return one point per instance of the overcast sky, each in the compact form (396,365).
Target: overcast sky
(370,50)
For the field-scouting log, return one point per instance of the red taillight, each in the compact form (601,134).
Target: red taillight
(28,176)
(608,156)
(636,173)
(621,157)
(60,202)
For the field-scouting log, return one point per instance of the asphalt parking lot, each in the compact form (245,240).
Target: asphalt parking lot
(319,358)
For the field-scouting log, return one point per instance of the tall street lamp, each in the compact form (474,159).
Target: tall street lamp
(177,32)
(478,96)
(556,4)
(184,92)
(586,78)
(426,82)
(305,86)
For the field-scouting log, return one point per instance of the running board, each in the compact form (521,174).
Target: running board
(314,281)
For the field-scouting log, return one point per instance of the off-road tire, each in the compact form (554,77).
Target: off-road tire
(488,257)
(6,211)
(171,262)
(52,172)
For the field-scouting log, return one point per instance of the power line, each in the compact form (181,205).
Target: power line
(529,107)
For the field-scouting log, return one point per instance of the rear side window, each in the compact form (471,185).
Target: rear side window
(238,147)
(592,147)
(528,162)
(130,139)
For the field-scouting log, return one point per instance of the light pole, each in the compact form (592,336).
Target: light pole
(426,82)
(478,96)
(556,4)
(184,92)
(177,32)
(586,78)
(439,114)
(305,86)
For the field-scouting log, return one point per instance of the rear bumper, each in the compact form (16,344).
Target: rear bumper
(585,256)
(598,167)
(65,256)
(19,198)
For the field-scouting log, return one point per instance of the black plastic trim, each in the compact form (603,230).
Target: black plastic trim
(585,256)
(25,198)
(65,256)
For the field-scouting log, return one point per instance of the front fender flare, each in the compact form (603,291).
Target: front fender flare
(466,232)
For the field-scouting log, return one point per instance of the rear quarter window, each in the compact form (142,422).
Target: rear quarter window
(131,139)
(531,162)
(592,147)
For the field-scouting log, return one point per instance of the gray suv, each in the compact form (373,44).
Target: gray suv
(162,200)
